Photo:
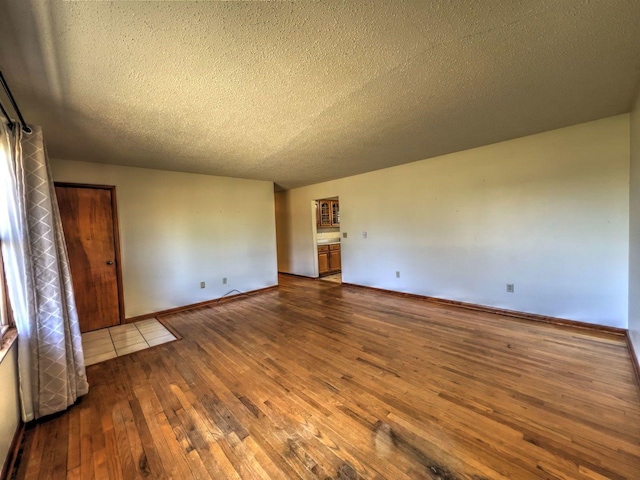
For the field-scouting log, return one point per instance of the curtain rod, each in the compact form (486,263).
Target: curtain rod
(23,124)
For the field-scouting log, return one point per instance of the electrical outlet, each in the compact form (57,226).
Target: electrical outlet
(344,234)
(224,280)
(397,274)
(364,234)
(510,287)
(202,284)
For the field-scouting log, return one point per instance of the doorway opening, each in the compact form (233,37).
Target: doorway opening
(328,239)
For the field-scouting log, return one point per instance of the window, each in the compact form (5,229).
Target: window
(5,319)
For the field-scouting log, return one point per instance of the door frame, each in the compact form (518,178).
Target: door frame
(116,235)
(314,232)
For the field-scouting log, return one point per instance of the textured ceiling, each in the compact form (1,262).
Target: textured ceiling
(308,91)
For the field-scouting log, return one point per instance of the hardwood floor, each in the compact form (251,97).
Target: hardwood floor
(320,381)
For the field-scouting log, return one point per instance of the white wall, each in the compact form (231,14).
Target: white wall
(548,212)
(9,401)
(179,229)
(634,230)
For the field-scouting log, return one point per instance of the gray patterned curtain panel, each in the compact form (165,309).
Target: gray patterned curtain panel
(52,372)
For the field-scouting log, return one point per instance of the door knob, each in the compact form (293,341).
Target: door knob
(109,262)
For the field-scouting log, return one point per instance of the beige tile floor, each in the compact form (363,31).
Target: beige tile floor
(101,345)
(336,278)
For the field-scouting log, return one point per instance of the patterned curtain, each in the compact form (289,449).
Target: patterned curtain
(51,362)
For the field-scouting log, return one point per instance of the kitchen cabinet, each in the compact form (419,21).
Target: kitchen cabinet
(334,258)
(328,213)
(324,213)
(329,260)
(335,214)
(323,259)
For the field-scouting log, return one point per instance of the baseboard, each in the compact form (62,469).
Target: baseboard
(11,462)
(500,311)
(634,357)
(206,303)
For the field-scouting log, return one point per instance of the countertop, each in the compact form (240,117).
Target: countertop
(328,242)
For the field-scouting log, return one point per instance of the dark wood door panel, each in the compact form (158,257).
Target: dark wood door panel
(88,223)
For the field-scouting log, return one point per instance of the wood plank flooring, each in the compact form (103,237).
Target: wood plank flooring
(320,381)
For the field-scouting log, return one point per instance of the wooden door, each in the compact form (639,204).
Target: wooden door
(90,228)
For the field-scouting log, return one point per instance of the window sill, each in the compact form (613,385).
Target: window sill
(7,340)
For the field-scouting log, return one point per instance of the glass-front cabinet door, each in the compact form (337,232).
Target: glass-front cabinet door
(325,213)
(335,213)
